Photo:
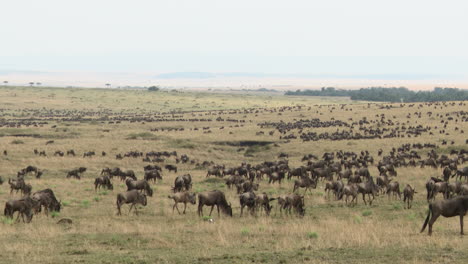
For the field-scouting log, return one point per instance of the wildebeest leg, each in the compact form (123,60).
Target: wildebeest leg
(176,207)
(242,210)
(364,198)
(461,223)
(185,207)
(200,209)
(212,207)
(432,221)
(131,208)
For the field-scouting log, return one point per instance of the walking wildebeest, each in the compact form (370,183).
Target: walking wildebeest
(351,190)
(305,182)
(369,188)
(393,187)
(140,185)
(132,197)
(292,201)
(76,173)
(408,194)
(212,198)
(182,197)
(262,201)
(447,208)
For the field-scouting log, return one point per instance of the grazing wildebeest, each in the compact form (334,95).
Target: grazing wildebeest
(128,173)
(262,201)
(292,201)
(217,172)
(182,197)
(447,208)
(212,198)
(408,194)
(182,182)
(29,169)
(46,198)
(369,188)
(234,180)
(152,175)
(394,187)
(89,154)
(23,206)
(71,152)
(171,168)
(140,185)
(152,167)
(103,181)
(462,173)
(16,185)
(132,197)
(247,199)
(305,182)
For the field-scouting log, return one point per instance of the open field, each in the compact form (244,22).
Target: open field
(227,126)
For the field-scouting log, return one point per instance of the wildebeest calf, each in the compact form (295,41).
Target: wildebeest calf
(182,197)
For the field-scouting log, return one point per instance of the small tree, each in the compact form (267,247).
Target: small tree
(5,83)
(31,83)
(108,85)
(153,88)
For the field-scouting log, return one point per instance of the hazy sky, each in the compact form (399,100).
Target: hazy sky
(319,37)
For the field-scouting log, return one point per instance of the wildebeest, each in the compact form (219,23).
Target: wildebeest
(369,188)
(408,194)
(171,168)
(46,198)
(247,199)
(76,173)
(19,185)
(447,208)
(132,197)
(212,198)
(305,182)
(182,182)
(152,175)
(287,202)
(182,197)
(262,201)
(23,206)
(247,186)
(103,181)
(351,190)
(141,185)
(394,187)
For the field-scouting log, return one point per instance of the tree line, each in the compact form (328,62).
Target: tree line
(393,94)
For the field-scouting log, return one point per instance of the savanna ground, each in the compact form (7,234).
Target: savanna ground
(330,232)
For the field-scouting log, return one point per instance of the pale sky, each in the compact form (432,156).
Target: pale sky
(422,37)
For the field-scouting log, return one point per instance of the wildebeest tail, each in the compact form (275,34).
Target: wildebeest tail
(427,218)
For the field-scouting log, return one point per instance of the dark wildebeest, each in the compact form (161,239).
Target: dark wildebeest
(430,186)
(447,208)
(89,154)
(132,197)
(182,182)
(71,152)
(152,175)
(212,198)
(128,173)
(247,199)
(171,168)
(394,187)
(305,182)
(76,173)
(276,177)
(369,188)
(408,194)
(462,173)
(140,185)
(247,186)
(182,197)
(23,206)
(46,198)
(262,201)
(103,181)
(152,167)
(217,172)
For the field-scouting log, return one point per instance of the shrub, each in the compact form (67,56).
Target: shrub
(245,231)
(312,235)
(85,203)
(17,141)
(97,199)
(367,213)
(55,214)
(65,203)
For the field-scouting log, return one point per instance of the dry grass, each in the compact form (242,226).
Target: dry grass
(329,233)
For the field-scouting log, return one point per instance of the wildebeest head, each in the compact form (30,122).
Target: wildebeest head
(192,197)
(110,186)
(228,209)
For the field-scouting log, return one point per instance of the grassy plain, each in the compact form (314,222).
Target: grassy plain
(329,233)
